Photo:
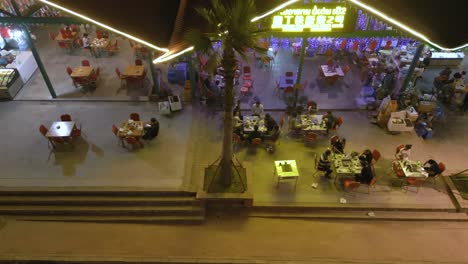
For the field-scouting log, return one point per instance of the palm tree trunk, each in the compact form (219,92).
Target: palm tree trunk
(229,64)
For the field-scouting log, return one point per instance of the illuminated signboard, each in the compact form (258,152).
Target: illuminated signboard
(316,19)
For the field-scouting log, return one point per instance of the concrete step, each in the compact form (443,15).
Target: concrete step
(10,210)
(5,192)
(364,215)
(185,219)
(74,200)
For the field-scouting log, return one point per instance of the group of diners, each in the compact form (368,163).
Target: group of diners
(133,131)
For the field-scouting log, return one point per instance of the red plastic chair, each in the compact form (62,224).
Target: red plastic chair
(133,141)
(52,36)
(339,122)
(334,139)
(43,130)
(135,116)
(351,185)
(237,140)
(330,62)
(310,138)
(256,142)
(246,70)
(346,69)
(85,63)
(69,70)
(376,155)
(65,118)
(96,74)
(289,90)
(398,170)
(138,62)
(289,74)
(413,182)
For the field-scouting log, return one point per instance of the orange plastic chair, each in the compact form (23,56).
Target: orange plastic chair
(85,63)
(133,141)
(376,155)
(65,117)
(135,116)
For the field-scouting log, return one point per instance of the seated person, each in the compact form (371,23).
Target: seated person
(270,123)
(294,122)
(431,167)
(312,109)
(151,129)
(255,134)
(367,154)
(237,120)
(366,175)
(273,134)
(404,153)
(85,40)
(257,109)
(237,108)
(330,120)
(325,164)
(339,145)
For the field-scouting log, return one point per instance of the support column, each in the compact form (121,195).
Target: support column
(154,75)
(415,61)
(299,70)
(193,83)
(40,65)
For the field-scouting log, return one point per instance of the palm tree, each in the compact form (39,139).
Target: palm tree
(229,23)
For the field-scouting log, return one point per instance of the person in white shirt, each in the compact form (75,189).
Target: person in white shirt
(257,109)
(404,153)
(85,40)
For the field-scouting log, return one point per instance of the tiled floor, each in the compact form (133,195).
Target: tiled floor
(56,61)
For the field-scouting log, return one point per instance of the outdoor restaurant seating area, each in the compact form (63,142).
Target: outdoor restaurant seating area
(131,134)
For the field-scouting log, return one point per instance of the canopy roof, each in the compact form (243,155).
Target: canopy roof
(149,20)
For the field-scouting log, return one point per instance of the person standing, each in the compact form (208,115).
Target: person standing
(270,123)
(257,109)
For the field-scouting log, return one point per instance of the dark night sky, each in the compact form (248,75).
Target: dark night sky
(442,21)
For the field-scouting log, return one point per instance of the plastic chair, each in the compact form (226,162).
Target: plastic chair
(135,116)
(289,90)
(441,170)
(138,62)
(289,74)
(398,170)
(52,36)
(133,141)
(398,148)
(65,118)
(85,63)
(413,182)
(330,62)
(376,155)
(346,69)
(69,71)
(256,142)
(237,140)
(246,70)
(121,77)
(351,185)
(334,139)
(339,122)
(310,138)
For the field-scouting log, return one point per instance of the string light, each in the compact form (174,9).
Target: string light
(105,26)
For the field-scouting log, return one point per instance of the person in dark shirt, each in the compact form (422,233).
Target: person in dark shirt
(330,120)
(324,163)
(367,154)
(366,175)
(431,167)
(270,123)
(151,130)
(339,145)
(255,134)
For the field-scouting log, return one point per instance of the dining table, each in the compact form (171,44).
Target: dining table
(330,71)
(313,123)
(346,165)
(98,45)
(286,81)
(60,129)
(413,169)
(82,72)
(131,128)
(251,121)
(286,170)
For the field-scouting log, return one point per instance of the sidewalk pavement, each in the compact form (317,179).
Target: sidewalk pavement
(98,160)
(448,146)
(176,159)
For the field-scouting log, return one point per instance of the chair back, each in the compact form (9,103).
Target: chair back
(58,140)
(69,70)
(62,45)
(351,185)
(138,62)
(289,89)
(135,116)
(98,72)
(398,170)
(246,69)
(376,155)
(330,62)
(339,121)
(115,130)
(311,136)
(441,167)
(346,69)
(400,147)
(85,63)
(74,28)
(80,42)
(65,117)
(43,130)
(289,74)
(131,140)
(256,141)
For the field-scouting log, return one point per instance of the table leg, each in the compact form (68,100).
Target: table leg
(295,185)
